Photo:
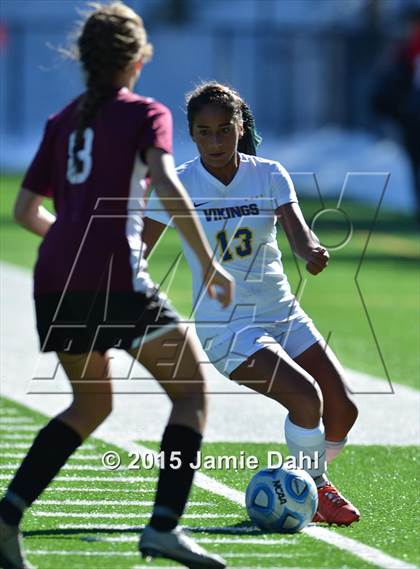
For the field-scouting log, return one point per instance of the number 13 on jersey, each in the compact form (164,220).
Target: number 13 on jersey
(242,249)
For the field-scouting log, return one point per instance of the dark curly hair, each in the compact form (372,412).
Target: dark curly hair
(216,93)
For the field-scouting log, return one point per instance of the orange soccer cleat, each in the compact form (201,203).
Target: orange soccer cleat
(333,508)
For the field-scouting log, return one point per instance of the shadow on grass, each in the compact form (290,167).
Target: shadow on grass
(241,528)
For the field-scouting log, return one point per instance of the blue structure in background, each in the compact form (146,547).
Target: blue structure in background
(291,59)
(300,64)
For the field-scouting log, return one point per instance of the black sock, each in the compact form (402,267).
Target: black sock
(53,445)
(11,509)
(174,485)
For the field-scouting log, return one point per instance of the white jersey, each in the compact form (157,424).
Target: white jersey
(240,223)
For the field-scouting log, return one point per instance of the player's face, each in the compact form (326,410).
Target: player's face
(216,133)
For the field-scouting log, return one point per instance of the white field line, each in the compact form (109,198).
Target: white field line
(13,454)
(109,503)
(210,540)
(14,445)
(100,515)
(365,552)
(91,491)
(14,428)
(30,438)
(16,421)
(80,454)
(103,479)
(17,436)
(74,458)
(262,555)
(356,548)
(71,552)
(202,480)
(69,467)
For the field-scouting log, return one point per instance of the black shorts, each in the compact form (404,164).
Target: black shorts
(82,322)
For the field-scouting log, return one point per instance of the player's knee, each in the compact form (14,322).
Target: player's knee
(351,411)
(345,408)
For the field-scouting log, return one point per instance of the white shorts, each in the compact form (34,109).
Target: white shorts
(231,346)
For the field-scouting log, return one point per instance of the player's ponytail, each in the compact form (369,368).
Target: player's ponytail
(250,140)
(227,98)
(111,38)
(88,106)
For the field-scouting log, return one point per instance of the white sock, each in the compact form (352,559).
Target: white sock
(333,449)
(307,443)
(321,481)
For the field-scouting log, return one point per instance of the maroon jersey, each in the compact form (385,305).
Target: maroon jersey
(95,243)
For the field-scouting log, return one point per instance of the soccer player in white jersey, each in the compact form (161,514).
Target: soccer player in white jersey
(264,340)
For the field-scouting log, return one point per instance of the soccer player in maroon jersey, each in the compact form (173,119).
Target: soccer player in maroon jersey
(91,286)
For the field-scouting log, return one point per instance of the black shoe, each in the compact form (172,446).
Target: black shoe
(12,555)
(177,546)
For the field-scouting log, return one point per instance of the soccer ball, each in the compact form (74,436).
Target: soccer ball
(281,500)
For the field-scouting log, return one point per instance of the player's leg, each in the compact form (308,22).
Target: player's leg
(340,412)
(53,445)
(286,385)
(173,360)
(271,372)
(306,346)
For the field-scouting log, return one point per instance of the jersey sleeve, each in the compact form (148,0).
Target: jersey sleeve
(38,177)
(157,129)
(281,185)
(156,211)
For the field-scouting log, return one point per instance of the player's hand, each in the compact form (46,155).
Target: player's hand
(317,260)
(221,285)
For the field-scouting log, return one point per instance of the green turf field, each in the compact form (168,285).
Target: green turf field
(372,323)
(83,523)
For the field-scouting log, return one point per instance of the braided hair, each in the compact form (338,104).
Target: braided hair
(226,97)
(111,38)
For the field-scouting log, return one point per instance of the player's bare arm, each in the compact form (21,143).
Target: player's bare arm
(303,241)
(178,204)
(31,214)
